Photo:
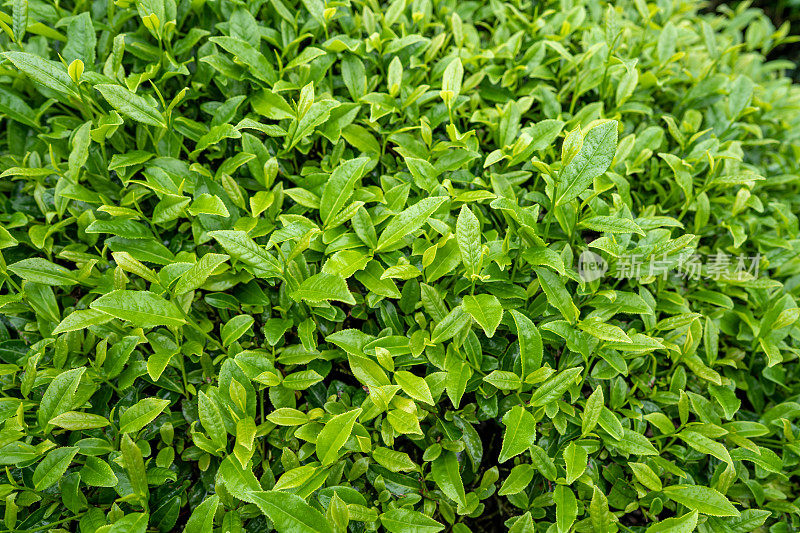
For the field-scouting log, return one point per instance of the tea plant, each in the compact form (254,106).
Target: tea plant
(424,265)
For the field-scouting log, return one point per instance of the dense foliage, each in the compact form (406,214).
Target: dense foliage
(423,265)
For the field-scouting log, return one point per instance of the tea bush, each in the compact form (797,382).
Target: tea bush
(431,264)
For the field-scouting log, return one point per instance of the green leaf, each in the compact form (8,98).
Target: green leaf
(290,513)
(634,443)
(48,73)
(286,416)
(452,78)
(235,328)
(645,475)
(49,471)
(40,270)
(82,319)
(394,460)
(468,235)
(554,388)
(240,246)
(196,276)
(131,105)
(591,412)
(239,481)
(503,380)
(131,523)
(599,514)
(605,224)
(75,421)
(519,434)
(135,468)
(202,519)
(486,310)
(19,15)
(211,419)
(603,331)
(97,473)
(402,520)
(140,414)
(208,204)
(59,396)
(575,458)
(257,64)
(595,156)
(450,325)
(748,521)
(414,386)
(530,343)
(543,463)
(566,508)
(141,308)
(518,480)
(557,294)
(339,187)
(679,524)
(323,287)
(408,222)
(701,499)
(703,444)
(334,434)
(446,474)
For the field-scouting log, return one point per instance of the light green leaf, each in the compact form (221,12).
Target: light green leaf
(141,308)
(324,287)
(334,434)
(48,73)
(553,388)
(402,520)
(75,421)
(339,187)
(59,396)
(518,479)
(519,435)
(575,459)
(530,343)
(140,414)
(701,499)
(486,310)
(290,513)
(414,386)
(594,158)
(645,475)
(49,471)
(446,474)
(202,519)
(679,524)
(131,105)
(97,473)
(240,246)
(408,222)
(468,235)
(591,412)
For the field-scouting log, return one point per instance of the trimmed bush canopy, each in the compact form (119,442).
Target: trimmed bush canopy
(324,266)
